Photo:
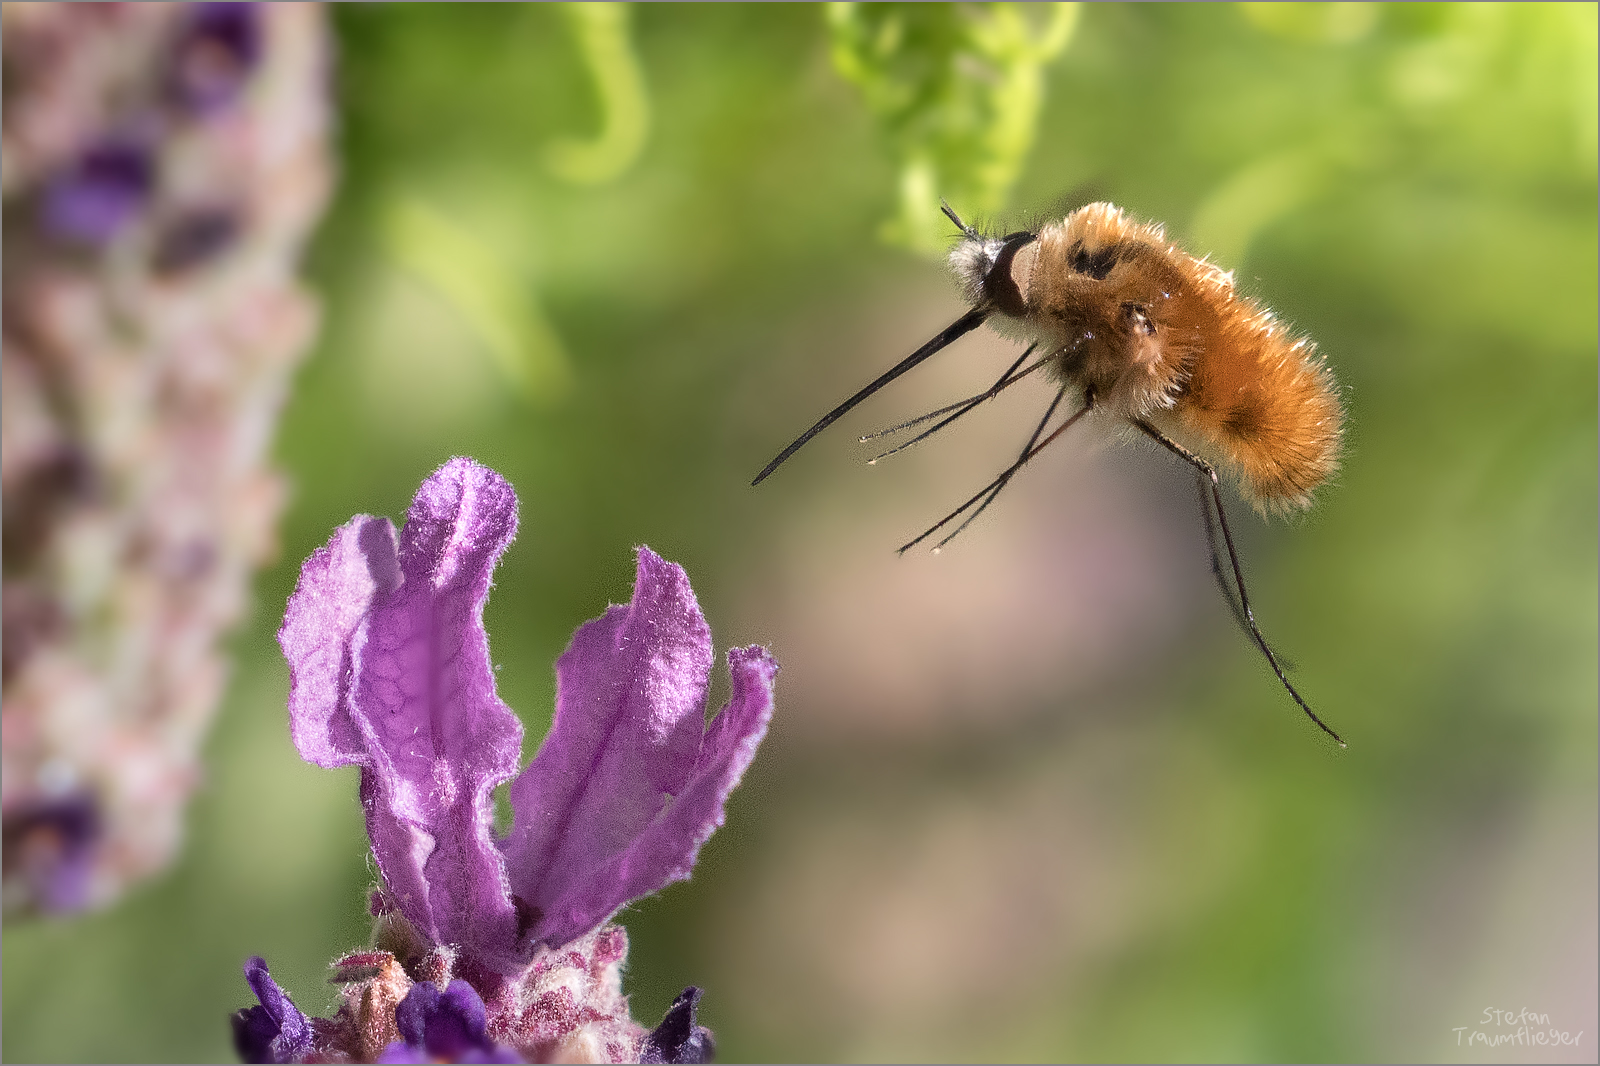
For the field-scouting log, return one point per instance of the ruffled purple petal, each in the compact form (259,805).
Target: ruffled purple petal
(630,693)
(390,670)
(665,852)
(626,788)
(275,1031)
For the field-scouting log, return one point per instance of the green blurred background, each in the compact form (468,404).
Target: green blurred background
(1035,797)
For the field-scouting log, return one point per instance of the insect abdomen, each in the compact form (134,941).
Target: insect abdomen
(1265,404)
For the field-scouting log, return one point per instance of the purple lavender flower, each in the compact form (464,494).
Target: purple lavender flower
(217,50)
(100,193)
(49,846)
(448,1026)
(390,671)
(678,1039)
(274,1031)
(389,666)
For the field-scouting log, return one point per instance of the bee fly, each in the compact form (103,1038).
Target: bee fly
(1139,330)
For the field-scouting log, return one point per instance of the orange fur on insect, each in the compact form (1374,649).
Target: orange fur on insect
(1150,333)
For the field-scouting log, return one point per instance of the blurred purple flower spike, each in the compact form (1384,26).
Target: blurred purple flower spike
(101,192)
(390,671)
(49,845)
(216,52)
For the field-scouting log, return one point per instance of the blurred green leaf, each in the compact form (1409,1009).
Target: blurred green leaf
(602,34)
(957,89)
(1339,23)
(499,305)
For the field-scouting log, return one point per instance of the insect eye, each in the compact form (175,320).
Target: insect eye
(1138,321)
(998,284)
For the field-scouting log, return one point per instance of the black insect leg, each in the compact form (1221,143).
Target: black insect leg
(987,494)
(1212,486)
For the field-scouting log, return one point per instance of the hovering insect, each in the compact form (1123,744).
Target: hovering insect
(1148,336)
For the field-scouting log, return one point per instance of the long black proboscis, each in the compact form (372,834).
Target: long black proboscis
(959,328)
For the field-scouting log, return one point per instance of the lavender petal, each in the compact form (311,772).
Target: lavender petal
(665,850)
(627,733)
(390,670)
(274,1031)
(679,1039)
(448,1026)
(401,1053)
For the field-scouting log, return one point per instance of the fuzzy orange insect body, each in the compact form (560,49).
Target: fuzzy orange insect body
(1161,341)
(1150,333)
